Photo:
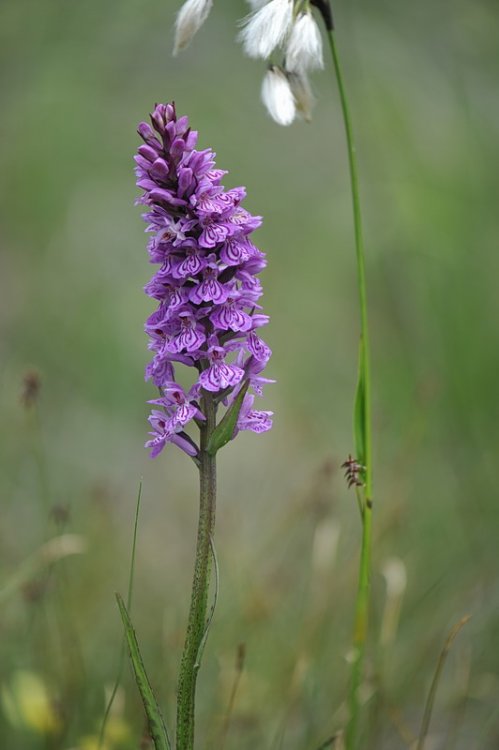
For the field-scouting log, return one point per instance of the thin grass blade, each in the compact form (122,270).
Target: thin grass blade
(425,724)
(240,659)
(129,607)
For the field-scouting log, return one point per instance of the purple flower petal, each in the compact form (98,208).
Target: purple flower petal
(218,377)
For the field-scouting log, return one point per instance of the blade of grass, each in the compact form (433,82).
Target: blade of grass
(425,724)
(129,607)
(157,727)
(487,728)
(240,659)
(330,742)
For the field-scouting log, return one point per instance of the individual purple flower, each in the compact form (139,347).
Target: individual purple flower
(220,375)
(205,285)
(252,419)
(179,406)
(163,433)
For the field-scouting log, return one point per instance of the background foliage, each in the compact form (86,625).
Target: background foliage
(75,79)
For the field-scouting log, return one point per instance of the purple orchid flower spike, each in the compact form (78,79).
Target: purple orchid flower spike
(206,285)
(205,326)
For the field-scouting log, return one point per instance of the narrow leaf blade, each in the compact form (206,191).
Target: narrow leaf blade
(224,431)
(157,726)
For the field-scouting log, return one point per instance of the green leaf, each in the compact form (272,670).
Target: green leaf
(224,431)
(157,726)
(359,418)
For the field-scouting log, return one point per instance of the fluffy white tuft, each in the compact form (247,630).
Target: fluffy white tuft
(304,47)
(278,97)
(190,18)
(257,4)
(267,28)
(302,93)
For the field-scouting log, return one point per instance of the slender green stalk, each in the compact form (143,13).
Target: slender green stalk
(240,658)
(363,427)
(42,469)
(196,624)
(425,724)
(121,662)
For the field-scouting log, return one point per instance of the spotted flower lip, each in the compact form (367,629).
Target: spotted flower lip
(206,284)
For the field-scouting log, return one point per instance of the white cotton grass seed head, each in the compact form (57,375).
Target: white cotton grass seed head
(304,45)
(278,97)
(257,4)
(267,28)
(190,18)
(302,93)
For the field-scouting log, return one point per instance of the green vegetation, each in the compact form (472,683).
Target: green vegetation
(75,79)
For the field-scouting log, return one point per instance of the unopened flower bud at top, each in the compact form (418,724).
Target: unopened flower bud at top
(277,96)
(267,28)
(304,46)
(190,18)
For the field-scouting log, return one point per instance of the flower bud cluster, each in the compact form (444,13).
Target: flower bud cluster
(285,25)
(206,285)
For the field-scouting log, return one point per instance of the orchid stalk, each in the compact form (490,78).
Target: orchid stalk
(303,52)
(206,324)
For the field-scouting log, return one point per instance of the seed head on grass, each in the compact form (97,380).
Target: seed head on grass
(286,28)
(190,18)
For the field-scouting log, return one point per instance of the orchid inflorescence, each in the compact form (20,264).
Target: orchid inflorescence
(206,285)
(287,26)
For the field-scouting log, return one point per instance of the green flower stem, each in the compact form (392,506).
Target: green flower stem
(196,623)
(362,603)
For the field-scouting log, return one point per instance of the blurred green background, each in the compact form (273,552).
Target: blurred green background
(75,79)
